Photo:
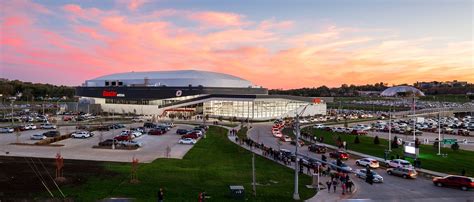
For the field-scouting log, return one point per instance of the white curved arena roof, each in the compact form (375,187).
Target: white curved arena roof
(394,91)
(173,78)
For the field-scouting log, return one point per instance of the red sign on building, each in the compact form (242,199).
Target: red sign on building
(107,93)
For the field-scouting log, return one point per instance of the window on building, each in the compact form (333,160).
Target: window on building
(114,83)
(107,83)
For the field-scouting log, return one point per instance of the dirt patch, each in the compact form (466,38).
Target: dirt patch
(18,181)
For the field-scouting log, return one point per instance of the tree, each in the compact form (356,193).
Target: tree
(417,143)
(356,140)
(455,146)
(339,141)
(395,142)
(436,143)
(376,140)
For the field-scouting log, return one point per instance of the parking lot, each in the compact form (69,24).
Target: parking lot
(82,149)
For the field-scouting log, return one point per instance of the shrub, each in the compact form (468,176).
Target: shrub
(376,140)
(455,146)
(356,140)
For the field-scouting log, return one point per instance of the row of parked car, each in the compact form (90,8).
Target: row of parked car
(29,126)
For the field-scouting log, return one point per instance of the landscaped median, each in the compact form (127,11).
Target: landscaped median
(211,166)
(453,163)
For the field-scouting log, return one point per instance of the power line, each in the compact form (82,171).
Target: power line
(40,178)
(51,178)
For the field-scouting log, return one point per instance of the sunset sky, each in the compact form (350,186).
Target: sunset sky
(276,44)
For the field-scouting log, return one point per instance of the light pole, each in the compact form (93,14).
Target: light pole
(296,195)
(439,133)
(414,118)
(390,129)
(11,101)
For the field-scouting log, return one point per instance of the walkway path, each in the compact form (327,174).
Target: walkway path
(321,195)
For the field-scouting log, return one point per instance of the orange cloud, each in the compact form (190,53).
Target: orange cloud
(225,42)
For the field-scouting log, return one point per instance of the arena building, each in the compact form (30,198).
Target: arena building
(187,93)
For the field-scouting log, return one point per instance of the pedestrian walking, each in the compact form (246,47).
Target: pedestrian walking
(334,185)
(463,172)
(328,184)
(161,195)
(349,185)
(343,186)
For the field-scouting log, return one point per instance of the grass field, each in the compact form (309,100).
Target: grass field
(452,164)
(211,165)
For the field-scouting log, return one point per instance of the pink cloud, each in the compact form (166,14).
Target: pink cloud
(217,19)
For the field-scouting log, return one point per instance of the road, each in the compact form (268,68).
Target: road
(392,189)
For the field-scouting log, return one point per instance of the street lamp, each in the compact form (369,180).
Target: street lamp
(390,129)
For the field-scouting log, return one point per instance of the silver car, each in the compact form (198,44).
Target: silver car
(6,130)
(38,137)
(362,173)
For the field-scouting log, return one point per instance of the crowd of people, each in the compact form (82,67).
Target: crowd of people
(337,177)
(342,179)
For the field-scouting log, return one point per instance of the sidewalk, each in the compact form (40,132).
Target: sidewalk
(321,195)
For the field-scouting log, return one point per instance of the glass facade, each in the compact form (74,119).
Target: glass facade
(253,109)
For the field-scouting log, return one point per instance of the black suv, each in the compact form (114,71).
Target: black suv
(182,131)
(317,148)
(149,125)
(108,142)
(53,133)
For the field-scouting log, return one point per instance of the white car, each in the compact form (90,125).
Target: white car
(30,127)
(137,133)
(399,163)
(362,173)
(319,126)
(131,143)
(304,121)
(37,137)
(338,130)
(368,162)
(187,141)
(81,134)
(277,134)
(47,126)
(6,130)
(286,138)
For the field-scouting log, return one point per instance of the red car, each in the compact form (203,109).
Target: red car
(359,132)
(465,183)
(123,137)
(191,135)
(67,118)
(339,155)
(156,132)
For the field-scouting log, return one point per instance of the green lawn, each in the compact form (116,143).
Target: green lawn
(211,165)
(452,164)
